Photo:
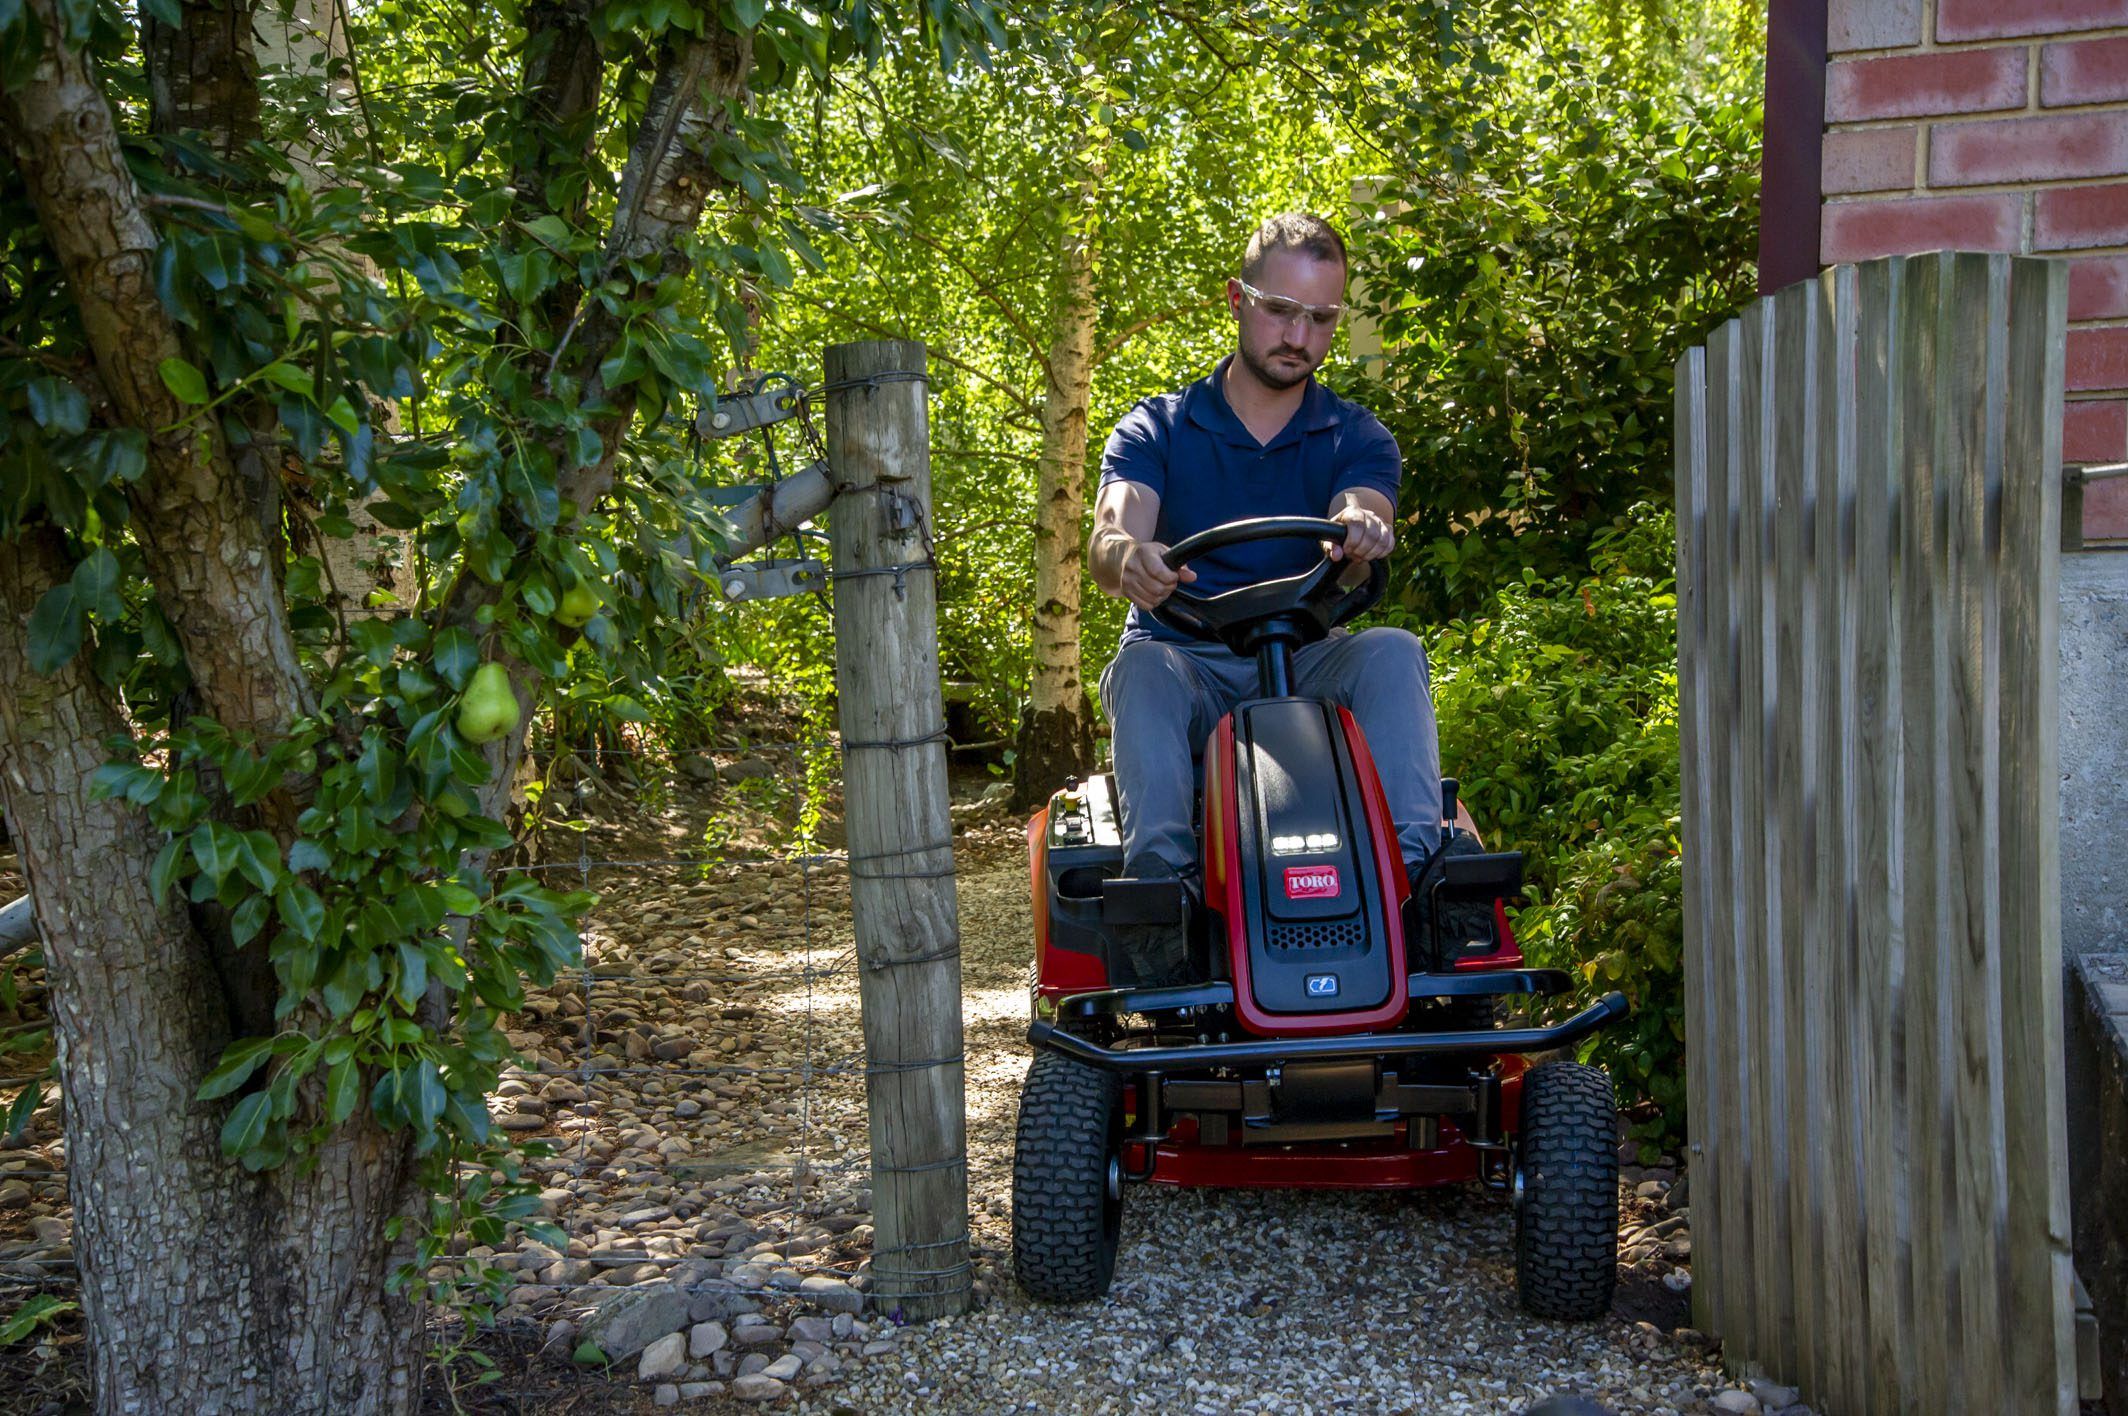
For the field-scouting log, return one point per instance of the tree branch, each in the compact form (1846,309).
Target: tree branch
(1136,328)
(667,182)
(1038,348)
(1026,405)
(213,563)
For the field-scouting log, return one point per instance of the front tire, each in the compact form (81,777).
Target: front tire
(1566,1207)
(1067,1191)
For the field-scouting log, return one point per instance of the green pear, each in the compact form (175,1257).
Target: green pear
(579,603)
(489,708)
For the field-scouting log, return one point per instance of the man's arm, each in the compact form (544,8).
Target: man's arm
(1371,518)
(1122,554)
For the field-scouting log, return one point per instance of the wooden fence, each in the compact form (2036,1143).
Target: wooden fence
(1868,494)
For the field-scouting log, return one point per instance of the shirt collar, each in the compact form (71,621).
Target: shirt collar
(1208,408)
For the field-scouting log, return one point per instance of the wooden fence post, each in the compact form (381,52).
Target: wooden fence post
(900,835)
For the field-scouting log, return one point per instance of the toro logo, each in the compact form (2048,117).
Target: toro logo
(1311,882)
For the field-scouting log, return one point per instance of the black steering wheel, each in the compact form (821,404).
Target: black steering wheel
(1299,608)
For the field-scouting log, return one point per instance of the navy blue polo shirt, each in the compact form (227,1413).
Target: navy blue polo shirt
(1190,449)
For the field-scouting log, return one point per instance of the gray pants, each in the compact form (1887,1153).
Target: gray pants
(1163,701)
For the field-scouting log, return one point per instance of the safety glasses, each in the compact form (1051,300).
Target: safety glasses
(1285,311)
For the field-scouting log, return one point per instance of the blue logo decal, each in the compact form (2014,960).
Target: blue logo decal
(1322,985)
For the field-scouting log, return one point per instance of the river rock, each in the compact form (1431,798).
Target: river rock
(636,1317)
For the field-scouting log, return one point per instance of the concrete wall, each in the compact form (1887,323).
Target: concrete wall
(1995,125)
(2096,1005)
(2094,751)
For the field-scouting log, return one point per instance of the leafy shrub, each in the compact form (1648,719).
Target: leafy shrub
(1558,713)
(1534,263)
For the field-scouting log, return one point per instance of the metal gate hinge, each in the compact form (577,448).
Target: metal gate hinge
(772,579)
(744,412)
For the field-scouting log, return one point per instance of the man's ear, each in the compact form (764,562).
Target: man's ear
(1233,297)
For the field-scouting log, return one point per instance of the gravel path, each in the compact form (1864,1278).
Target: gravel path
(1239,1301)
(718,1208)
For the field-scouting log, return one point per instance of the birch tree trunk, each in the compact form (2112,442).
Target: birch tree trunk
(1056,737)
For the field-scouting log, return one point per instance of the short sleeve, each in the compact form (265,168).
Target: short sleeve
(1369,458)
(1137,451)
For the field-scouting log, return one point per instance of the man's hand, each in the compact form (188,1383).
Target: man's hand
(1145,578)
(1368,537)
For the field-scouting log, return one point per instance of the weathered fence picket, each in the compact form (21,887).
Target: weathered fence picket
(1868,491)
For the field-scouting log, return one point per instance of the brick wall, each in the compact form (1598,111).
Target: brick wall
(1995,125)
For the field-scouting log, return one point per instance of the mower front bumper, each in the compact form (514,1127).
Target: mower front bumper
(1264,1050)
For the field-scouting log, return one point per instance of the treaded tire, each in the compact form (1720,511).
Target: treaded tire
(1566,1217)
(1064,1220)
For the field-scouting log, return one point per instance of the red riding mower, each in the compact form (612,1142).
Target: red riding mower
(1343,1034)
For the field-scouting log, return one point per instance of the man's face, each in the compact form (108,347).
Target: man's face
(1282,353)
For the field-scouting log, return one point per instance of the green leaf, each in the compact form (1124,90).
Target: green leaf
(56,629)
(455,655)
(238,1062)
(35,1312)
(246,1125)
(300,908)
(288,376)
(344,989)
(188,384)
(306,854)
(57,406)
(23,1107)
(218,849)
(168,861)
(259,857)
(428,1096)
(343,1090)
(249,919)
(96,583)
(413,973)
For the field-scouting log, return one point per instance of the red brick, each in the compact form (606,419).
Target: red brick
(1997,19)
(2064,218)
(1872,24)
(2029,149)
(2098,358)
(1917,85)
(2098,288)
(2106,510)
(2088,71)
(2095,432)
(1858,231)
(1869,160)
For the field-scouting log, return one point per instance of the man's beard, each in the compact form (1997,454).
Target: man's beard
(1269,377)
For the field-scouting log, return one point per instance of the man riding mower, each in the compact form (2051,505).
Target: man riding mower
(1321,1026)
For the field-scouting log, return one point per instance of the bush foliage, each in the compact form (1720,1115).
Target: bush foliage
(1558,714)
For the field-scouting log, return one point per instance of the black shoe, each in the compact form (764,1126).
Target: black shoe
(1152,955)
(1461,920)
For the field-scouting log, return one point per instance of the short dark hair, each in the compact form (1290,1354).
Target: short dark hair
(1292,231)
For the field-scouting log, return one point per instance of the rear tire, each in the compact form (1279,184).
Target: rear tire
(1566,1209)
(1067,1201)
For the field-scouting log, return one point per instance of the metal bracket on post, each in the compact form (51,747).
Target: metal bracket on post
(772,579)
(744,412)
(2074,480)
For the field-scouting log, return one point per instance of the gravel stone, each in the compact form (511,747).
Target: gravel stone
(663,1358)
(758,1388)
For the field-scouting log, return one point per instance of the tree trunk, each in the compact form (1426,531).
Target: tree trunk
(209,1290)
(1056,737)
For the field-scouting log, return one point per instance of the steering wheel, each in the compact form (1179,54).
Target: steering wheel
(1300,608)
